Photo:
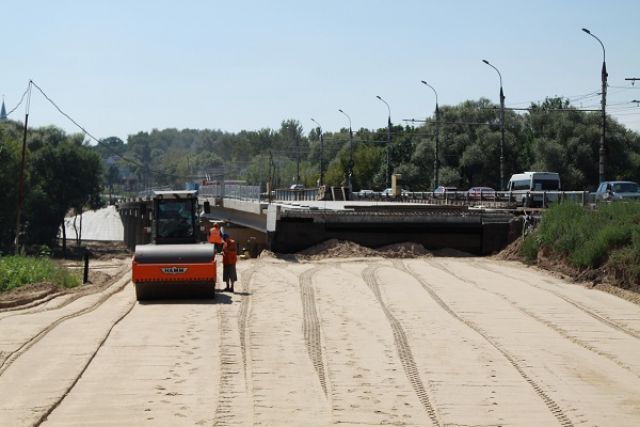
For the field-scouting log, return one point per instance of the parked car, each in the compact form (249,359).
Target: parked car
(366,193)
(296,187)
(481,193)
(388,192)
(440,191)
(617,190)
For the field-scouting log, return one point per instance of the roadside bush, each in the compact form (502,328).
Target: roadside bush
(624,263)
(530,247)
(609,234)
(16,271)
(595,249)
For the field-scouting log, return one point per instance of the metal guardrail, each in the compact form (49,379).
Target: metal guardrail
(230,191)
(307,194)
(504,198)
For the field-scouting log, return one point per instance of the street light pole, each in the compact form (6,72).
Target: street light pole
(603,77)
(388,177)
(350,165)
(436,161)
(501,126)
(321,153)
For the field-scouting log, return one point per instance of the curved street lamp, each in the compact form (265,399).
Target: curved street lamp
(501,125)
(603,78)
(436,161)
(321,152)
(387,177)
(350,164)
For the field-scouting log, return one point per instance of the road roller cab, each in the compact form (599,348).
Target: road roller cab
(174,264)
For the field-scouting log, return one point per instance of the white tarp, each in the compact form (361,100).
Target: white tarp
(103,224)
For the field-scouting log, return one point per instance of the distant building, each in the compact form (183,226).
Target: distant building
(3,112)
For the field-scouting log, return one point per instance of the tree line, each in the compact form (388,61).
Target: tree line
(551,136)
(65,173)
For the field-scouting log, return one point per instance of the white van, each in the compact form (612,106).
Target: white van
(529,188)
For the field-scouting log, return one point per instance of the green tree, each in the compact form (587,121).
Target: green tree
(65,175)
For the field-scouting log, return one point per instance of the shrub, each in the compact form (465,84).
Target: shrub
(588,238)
(16,271)
(530,247)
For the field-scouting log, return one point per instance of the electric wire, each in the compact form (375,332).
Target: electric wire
(111,150)
(21,99)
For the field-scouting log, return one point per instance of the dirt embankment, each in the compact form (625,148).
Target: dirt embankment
(107,261)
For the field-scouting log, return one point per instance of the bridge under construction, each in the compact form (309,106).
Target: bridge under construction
(292,220)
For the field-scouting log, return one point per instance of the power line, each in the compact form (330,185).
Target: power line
(86,132)
(21,99)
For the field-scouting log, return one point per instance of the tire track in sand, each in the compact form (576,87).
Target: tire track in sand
(402,347)
(226,409)
(553,407)
(11,357)
(311,325)
(554,327)
(611,323)
(57,403)
(243,318)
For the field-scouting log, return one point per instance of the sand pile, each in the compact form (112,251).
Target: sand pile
(334,248)
(511,252)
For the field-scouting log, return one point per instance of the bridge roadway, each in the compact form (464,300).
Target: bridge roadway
(290,226)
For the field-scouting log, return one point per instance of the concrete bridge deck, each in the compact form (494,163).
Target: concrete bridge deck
(290,226)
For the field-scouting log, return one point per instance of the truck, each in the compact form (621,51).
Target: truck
(531,188)
(174,264)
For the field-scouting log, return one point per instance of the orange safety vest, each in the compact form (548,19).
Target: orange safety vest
(229,252)
(215,236)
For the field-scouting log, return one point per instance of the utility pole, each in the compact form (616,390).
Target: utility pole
(350,164)
(603,78)
(321,153)
(297,157)
(388,176)
(270,179)
(22,167)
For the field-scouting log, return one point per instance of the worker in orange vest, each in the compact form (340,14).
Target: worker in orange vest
(229,259)
(215,237)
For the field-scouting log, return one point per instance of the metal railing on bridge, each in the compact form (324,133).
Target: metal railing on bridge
(230,191)
(488,198)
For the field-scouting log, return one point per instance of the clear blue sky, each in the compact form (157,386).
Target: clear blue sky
(119,67)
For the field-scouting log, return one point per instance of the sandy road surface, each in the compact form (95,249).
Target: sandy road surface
(363,341)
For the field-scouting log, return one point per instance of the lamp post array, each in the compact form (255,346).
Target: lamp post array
(387,176)
(436,160)
(603,78)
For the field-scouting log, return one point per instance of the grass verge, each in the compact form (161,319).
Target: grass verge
(17,271)
(605,239)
